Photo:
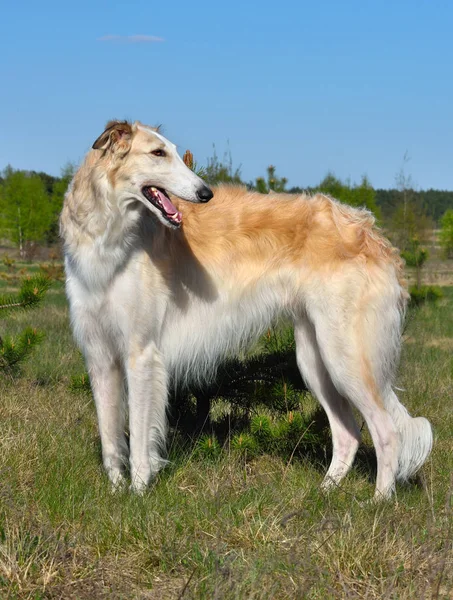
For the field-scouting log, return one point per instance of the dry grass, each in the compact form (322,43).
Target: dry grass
(224,529)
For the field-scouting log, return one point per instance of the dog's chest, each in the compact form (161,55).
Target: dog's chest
(128,305)
(96,316)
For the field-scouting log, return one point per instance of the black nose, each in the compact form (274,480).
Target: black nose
(204,194)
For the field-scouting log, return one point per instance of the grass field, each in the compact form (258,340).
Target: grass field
(226,528)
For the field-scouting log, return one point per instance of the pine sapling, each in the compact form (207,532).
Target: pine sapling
(13,350)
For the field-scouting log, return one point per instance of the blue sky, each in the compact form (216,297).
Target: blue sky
(307,86)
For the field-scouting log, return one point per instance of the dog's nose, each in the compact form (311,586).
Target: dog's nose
(204,194)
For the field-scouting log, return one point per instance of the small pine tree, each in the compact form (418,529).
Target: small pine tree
(14,350)
(245,444)
(416,256)
(208,447)
(272,183)
(267,379)
(220,171)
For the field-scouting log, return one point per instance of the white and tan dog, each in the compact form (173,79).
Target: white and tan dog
(163,289)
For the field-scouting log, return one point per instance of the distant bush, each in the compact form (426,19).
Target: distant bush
(425,293)
(446,233)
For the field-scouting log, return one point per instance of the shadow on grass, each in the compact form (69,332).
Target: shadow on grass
(186,434)
(247,386)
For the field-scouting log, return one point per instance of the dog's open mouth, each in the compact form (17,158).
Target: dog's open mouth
(159,198)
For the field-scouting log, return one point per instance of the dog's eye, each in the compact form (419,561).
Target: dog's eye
(158,152)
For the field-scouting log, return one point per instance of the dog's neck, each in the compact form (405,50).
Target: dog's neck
(97,234)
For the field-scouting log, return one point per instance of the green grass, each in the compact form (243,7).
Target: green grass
(226,528)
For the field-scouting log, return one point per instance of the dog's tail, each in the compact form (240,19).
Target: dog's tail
(385,316)
(415,434)
(415,437)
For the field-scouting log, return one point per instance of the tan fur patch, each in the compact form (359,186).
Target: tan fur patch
(270,231)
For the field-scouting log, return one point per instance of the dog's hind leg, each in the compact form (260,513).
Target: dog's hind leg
(356,355)
(345,433)
(147,384)
(107,384)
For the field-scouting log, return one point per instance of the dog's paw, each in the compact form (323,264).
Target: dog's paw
(328,484)
(138,485)
(117,481)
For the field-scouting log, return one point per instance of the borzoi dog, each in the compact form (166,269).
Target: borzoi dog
(161,289)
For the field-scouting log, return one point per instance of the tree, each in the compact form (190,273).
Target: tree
(48,180)
(334,187)
(433,202)
(218,172)
(361,195)
(409,222)
(446,233)
(25,208)
(404,183)
(416,256)
(272,183)
(56,200)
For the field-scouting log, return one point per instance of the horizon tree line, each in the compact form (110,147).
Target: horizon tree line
(30,203)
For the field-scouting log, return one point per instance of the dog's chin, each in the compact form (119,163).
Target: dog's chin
(166,222)
(158,202)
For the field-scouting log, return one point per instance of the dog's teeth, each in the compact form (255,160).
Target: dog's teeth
(153,189)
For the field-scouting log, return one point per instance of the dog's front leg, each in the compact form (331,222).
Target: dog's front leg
(147,382)
(107,383)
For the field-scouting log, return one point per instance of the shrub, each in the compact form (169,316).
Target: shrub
(425,293)
(14,350)
(261,429)
(244,443)
(208,447)
(80,383)
(292,432)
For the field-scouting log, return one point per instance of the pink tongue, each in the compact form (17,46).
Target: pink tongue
(169,208)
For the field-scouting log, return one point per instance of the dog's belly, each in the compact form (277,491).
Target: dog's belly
(194,339)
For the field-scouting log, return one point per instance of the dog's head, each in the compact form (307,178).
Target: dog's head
(143,165)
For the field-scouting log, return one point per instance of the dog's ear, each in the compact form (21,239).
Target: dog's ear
(117,135)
